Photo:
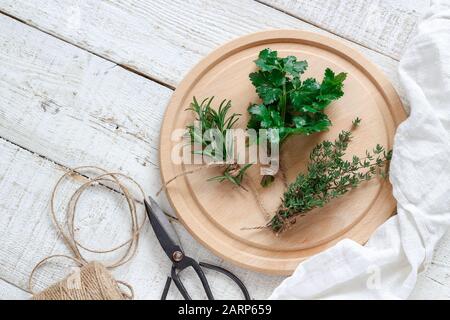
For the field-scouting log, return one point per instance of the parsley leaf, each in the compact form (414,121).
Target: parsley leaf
(267,60)
(289,104)
(294,67)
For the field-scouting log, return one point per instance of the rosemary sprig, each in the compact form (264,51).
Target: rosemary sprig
(328,176)
(210,119)
(233,173)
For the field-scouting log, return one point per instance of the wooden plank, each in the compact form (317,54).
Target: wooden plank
(385,26)
(50,71)
(79,108)
(434,283)
(160,39)
(12,292)
(75,108)
(27,235)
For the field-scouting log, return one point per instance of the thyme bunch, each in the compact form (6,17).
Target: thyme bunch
(328,176)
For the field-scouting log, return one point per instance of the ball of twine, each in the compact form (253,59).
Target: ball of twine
(98,274)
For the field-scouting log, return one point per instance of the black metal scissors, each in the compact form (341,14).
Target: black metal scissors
(169,241)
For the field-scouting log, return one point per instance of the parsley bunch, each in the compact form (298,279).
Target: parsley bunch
(328,176)
(289,104)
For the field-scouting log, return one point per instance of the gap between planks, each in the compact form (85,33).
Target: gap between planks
(326,29)
(100,56)
(124,66)
(144,273)
(171,87)
(43,157)
(67,169)
(166,84)
(63,168)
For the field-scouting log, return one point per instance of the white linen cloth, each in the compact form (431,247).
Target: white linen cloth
(387,266)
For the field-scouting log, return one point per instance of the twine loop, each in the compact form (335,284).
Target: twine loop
(104,178)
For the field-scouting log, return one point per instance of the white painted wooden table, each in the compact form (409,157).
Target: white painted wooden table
(87,81)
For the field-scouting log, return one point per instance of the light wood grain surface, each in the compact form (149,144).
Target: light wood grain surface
(384,26)
(87,82)
(161,39)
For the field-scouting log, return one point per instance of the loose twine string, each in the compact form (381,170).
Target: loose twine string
(131,244)
(69,236)
(249,182)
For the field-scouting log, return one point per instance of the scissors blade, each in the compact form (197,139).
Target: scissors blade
(163,229)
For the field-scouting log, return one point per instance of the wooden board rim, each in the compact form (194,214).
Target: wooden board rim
(230,250)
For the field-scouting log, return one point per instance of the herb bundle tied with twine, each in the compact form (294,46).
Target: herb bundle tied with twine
(328,176)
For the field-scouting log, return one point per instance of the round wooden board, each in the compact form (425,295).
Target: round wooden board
(215,213)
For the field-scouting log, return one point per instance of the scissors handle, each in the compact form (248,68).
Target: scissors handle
(229,275)
(166,288)
(189,262)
